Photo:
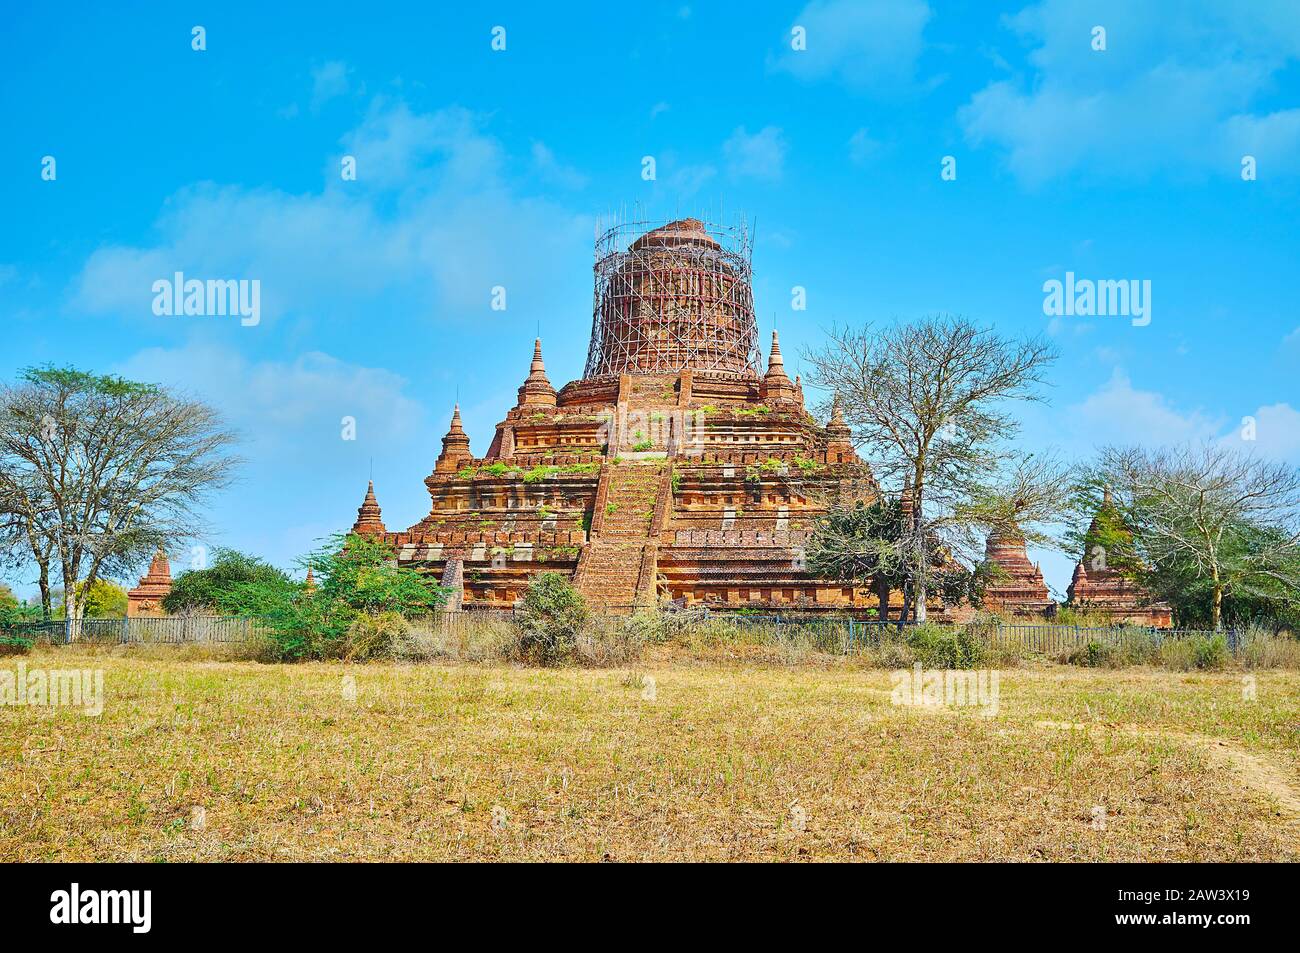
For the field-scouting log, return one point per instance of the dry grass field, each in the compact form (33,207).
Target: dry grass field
(724,759)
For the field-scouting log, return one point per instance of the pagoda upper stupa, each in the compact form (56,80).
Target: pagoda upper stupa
(679,466)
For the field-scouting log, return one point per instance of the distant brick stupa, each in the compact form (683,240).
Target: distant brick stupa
(145,600)
(1019,589)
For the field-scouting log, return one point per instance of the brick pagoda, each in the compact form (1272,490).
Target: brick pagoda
(145,600)
(1020,589)
(678,467)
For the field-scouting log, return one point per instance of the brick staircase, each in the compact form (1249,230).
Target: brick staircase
(617,567)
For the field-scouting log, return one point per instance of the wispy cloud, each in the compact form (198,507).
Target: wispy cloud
(757,156)
(868,46)
(328,81)
(431,216)
(1179,88)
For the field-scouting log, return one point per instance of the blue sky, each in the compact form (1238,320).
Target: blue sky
(478,168)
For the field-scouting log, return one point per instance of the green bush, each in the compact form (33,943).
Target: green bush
(550,617)
(359,581)
(1095,654)
(14,645)
(1211,652)
(938,647)
(1178,655)
(374,636)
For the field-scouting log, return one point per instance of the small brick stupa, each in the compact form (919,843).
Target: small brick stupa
(1020,590)
(1103,589)
(145,600)
(677,467)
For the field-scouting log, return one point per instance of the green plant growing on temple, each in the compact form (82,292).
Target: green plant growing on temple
(540,473)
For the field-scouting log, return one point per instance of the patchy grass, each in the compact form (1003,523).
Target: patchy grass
(592,764)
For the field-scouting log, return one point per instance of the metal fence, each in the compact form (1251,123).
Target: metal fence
(1052,639)
(167,630)
(847,635)
(837,634)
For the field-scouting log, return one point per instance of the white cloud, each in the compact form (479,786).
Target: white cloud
(288,415)
(1120,413)
(431,217)
(1175,91)
(757,156)
(869,46)
(394,148)
(285,411)
(1276,433)
(688,179)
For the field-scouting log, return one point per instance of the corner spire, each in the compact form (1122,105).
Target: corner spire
(455,446)
(775,360)
(369,521)
(837,415)
(536,390)
(776,385)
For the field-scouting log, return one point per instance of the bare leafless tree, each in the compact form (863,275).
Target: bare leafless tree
(98,471)
(927,402)
(1233,518)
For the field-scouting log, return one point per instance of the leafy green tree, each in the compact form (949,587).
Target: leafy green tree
(358,580)
(362,573)
(868,544)
(206,590)
(99,599)
(862,543)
